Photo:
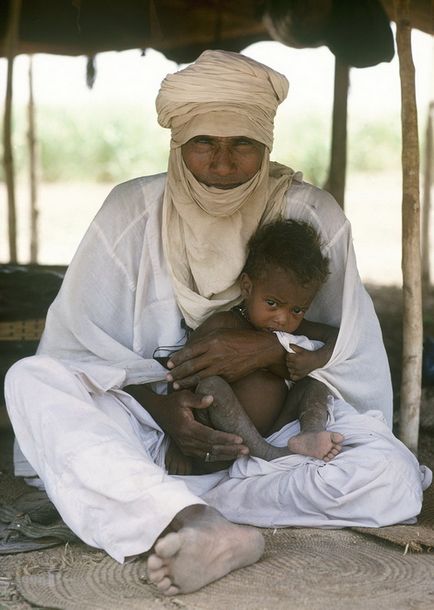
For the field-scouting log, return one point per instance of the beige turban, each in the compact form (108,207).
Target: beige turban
(235,88)
(206,229)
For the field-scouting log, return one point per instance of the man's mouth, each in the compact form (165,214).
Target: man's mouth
(224,187)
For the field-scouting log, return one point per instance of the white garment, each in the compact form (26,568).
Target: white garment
(116,304)
(100,456)
(98,451)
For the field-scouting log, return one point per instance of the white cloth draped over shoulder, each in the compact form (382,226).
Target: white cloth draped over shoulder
(107,325)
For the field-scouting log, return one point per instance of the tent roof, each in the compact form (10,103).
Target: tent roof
(181,29)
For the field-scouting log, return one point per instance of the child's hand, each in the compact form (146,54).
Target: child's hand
(176,461)
(302,362)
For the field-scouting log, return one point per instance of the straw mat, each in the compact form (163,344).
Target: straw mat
(302,569)
(415,537)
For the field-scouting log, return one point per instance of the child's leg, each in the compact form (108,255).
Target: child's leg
(227,414)
(254,405)
(311,409)
(261,393)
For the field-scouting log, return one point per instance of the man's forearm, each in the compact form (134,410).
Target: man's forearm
(272,356)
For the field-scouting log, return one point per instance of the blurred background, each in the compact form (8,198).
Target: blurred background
(91,139)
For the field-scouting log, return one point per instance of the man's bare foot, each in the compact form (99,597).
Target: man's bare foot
(323,445)
(204,549)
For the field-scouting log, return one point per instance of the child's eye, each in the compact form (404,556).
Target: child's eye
(271,303)
(297,311)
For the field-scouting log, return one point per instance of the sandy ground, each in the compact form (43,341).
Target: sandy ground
(373,205)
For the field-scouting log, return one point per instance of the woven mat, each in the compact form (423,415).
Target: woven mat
(302,569)
(414,537)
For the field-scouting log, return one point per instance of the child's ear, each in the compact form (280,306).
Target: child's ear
(245,285)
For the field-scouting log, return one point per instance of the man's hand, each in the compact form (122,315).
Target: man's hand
(193,438)
(174,414)
(229,353)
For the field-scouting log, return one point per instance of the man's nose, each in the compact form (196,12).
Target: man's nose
(222,161)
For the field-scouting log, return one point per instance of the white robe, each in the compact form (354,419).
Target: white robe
(101,455)
(117,305)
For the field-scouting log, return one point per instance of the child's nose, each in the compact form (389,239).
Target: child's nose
(286,321)
(281,320)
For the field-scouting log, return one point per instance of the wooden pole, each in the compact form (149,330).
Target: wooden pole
(31,138)
(426,209)
(11,39)
(335,183)
(411,258)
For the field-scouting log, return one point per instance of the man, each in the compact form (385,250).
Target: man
(166,252)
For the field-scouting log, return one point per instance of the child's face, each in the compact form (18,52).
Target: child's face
(276,301)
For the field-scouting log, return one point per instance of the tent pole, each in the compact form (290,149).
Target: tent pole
(411,258)
(426,208)
(11,39)
(335,183)
(32,168)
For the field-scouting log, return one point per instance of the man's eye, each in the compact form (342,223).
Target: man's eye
(201,140)
(271,303)
(242,143)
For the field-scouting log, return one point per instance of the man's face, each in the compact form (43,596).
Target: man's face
(223,162)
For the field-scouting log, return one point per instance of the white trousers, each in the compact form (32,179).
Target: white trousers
(101,459)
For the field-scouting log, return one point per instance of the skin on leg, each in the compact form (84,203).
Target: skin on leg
(226,412)
(203,547)
(261,393)
(308,400)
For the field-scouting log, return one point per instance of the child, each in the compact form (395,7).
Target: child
(282,274)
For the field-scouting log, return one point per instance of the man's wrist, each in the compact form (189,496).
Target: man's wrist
(148,399)
(270,353)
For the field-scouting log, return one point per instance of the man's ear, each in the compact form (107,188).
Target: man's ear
(245,285)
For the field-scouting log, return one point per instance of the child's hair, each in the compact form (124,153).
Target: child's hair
(291,245)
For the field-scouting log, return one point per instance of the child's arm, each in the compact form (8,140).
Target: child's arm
(302,362)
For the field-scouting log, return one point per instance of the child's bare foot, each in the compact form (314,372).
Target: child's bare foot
(323,445)
(206,548)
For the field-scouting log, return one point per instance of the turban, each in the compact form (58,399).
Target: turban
(221,92)
(205,230)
